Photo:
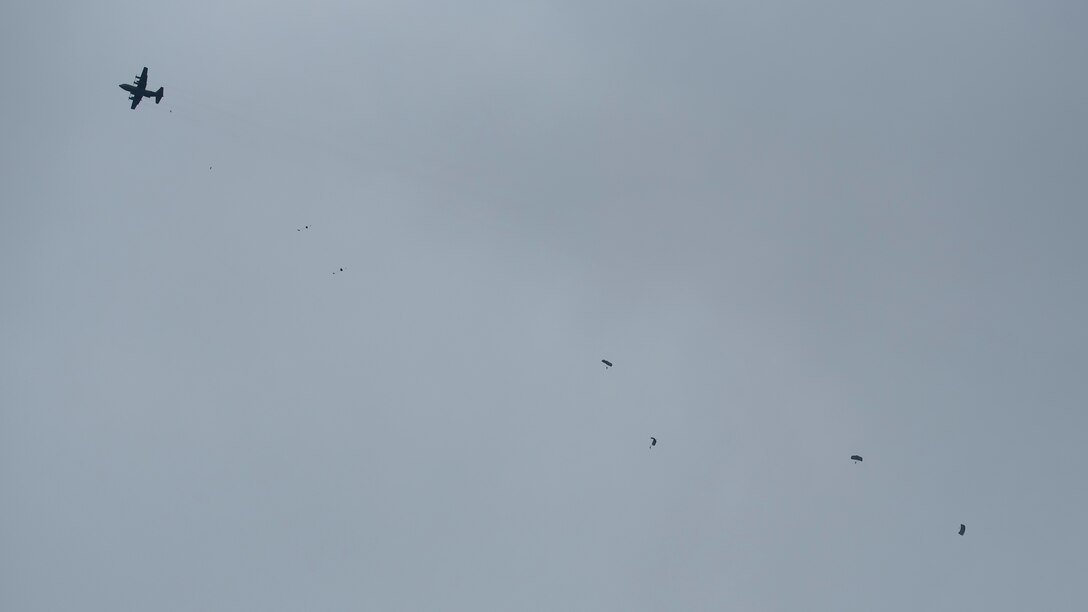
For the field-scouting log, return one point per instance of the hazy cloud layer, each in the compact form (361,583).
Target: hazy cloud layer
(801,231)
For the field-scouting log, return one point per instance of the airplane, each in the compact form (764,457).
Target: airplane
(139,90)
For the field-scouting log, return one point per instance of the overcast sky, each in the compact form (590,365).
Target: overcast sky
(800,230)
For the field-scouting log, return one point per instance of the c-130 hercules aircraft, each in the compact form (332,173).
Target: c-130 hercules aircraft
(139,90)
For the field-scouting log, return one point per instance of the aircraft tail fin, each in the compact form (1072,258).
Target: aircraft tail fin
(158,95)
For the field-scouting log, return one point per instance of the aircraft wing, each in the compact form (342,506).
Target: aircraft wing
(135,100)
(141,81)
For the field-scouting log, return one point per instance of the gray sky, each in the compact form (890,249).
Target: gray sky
(800,230)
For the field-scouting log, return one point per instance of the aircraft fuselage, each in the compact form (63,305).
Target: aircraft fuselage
(143,93)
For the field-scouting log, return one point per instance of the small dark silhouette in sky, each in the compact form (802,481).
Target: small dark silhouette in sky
(653,441)
(856,458)
(139,90)
(607,363)
(963,528)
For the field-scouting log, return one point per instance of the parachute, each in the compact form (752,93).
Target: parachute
(856,458)
(653,441)
(607,363)
(963,528)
